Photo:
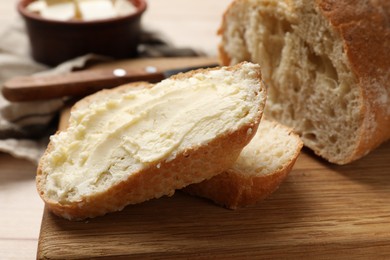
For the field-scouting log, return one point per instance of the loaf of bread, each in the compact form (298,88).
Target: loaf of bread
(327,66)
(259,170)
(135,143)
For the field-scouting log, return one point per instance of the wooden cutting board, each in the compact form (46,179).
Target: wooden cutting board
(321,211)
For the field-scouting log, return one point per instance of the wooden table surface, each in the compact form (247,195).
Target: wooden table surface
(186,23)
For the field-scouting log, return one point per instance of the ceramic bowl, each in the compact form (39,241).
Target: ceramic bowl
(53,42)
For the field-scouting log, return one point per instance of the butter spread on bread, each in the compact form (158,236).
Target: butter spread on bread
(129,144)
(327,66)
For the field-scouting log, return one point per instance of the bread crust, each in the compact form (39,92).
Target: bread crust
(364,29)
(236,189)
(161,178)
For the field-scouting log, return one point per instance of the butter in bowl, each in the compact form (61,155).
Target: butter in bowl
(82,10)
(60,30)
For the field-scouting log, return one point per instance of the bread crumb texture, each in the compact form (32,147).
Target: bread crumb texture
(326,79)
(117,136)
(272,148)
(259,170)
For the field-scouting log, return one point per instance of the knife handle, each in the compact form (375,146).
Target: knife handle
(79,83)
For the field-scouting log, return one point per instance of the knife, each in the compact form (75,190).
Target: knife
(82,83)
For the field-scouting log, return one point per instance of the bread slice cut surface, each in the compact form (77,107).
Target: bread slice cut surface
(327,65)
(259,170)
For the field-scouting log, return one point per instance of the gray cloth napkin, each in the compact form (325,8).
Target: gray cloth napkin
(25,127)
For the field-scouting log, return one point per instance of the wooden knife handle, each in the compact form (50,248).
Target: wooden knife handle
(73,84)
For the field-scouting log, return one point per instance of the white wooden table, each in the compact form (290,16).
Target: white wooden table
(186,23)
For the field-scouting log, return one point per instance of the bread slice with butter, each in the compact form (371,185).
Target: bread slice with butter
(259,170)
(131,144)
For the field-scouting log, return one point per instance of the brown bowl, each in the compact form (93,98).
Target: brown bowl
(53,42)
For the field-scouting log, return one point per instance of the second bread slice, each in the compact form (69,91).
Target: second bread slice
(129,145)
(259,170)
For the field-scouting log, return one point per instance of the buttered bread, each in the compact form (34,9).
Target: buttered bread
(131,144)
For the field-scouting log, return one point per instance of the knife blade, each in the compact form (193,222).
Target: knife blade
(82,83)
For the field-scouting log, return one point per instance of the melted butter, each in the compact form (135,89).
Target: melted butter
(116,136)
